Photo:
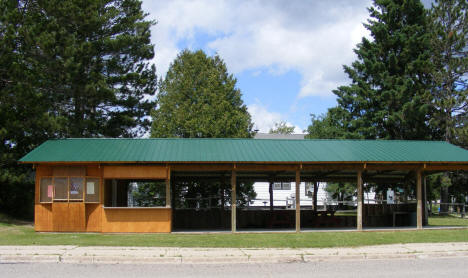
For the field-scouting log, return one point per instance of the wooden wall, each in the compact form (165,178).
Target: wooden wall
(68,217)
(139,220)
(81,217)
(43,218)
(134,172)
(93,217)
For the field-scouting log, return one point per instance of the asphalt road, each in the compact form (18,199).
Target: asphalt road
(430,267)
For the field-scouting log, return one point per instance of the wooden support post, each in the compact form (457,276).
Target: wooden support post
(168,188)
(359,200)
(270,189)
(425,214)
(233,201)
(315,195)
(419,212)
(298,201)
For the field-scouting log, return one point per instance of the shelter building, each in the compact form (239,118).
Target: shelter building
(141,185)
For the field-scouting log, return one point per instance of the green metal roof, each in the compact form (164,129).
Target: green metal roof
(244,150)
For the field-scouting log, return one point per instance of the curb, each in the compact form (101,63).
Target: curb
(176,255)
(218,260)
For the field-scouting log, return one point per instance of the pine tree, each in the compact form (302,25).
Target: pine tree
(198,98)
(389,94)
(449,26)
(24,117)
(94,59)
(332,125)
(68,68)
(449,30)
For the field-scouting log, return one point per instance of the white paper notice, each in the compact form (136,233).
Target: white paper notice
(90,188)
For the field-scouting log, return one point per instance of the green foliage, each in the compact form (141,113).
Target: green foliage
(94,58)
(449,36)
(332,125)
(388,96)
(342,191)
(198,98)
(24,117)
(281,128)
(149,194)
(194,193)
(449,26)
(391,80)
(69,68)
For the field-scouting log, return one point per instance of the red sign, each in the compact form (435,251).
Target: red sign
(50,191)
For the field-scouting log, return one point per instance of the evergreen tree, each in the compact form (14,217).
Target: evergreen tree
(94,56)
(68,68)
(24,112)
(449,29)
(449,26)
(332,125)
(198,98)
(389,94)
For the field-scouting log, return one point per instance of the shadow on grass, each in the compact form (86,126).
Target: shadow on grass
(6,220)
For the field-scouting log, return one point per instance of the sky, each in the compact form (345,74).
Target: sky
(287,56)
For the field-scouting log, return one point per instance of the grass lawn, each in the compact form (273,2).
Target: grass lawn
(20,233)
(448,221)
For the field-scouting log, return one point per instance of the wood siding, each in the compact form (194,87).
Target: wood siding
(82,217)
(93,217)
(139,220)
(43,218)
(69,217)
(135,172)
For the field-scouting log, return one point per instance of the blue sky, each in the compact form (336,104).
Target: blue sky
(286,55)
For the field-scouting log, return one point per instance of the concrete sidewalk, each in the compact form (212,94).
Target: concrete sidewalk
(145,255)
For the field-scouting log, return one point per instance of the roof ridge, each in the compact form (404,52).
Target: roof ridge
(253,139)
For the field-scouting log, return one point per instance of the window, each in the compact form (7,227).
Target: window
(92,190)
(61,189)
(135,193)
(76,188)
(46,191)
(65,189)
(282,186)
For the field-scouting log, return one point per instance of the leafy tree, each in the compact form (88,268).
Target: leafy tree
(281,128)
(198,98)
(388,97)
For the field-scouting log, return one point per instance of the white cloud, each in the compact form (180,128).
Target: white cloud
(314,38)
(264,120)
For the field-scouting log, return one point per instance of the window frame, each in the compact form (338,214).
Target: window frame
(281,185)
(107,203)
(68,199)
